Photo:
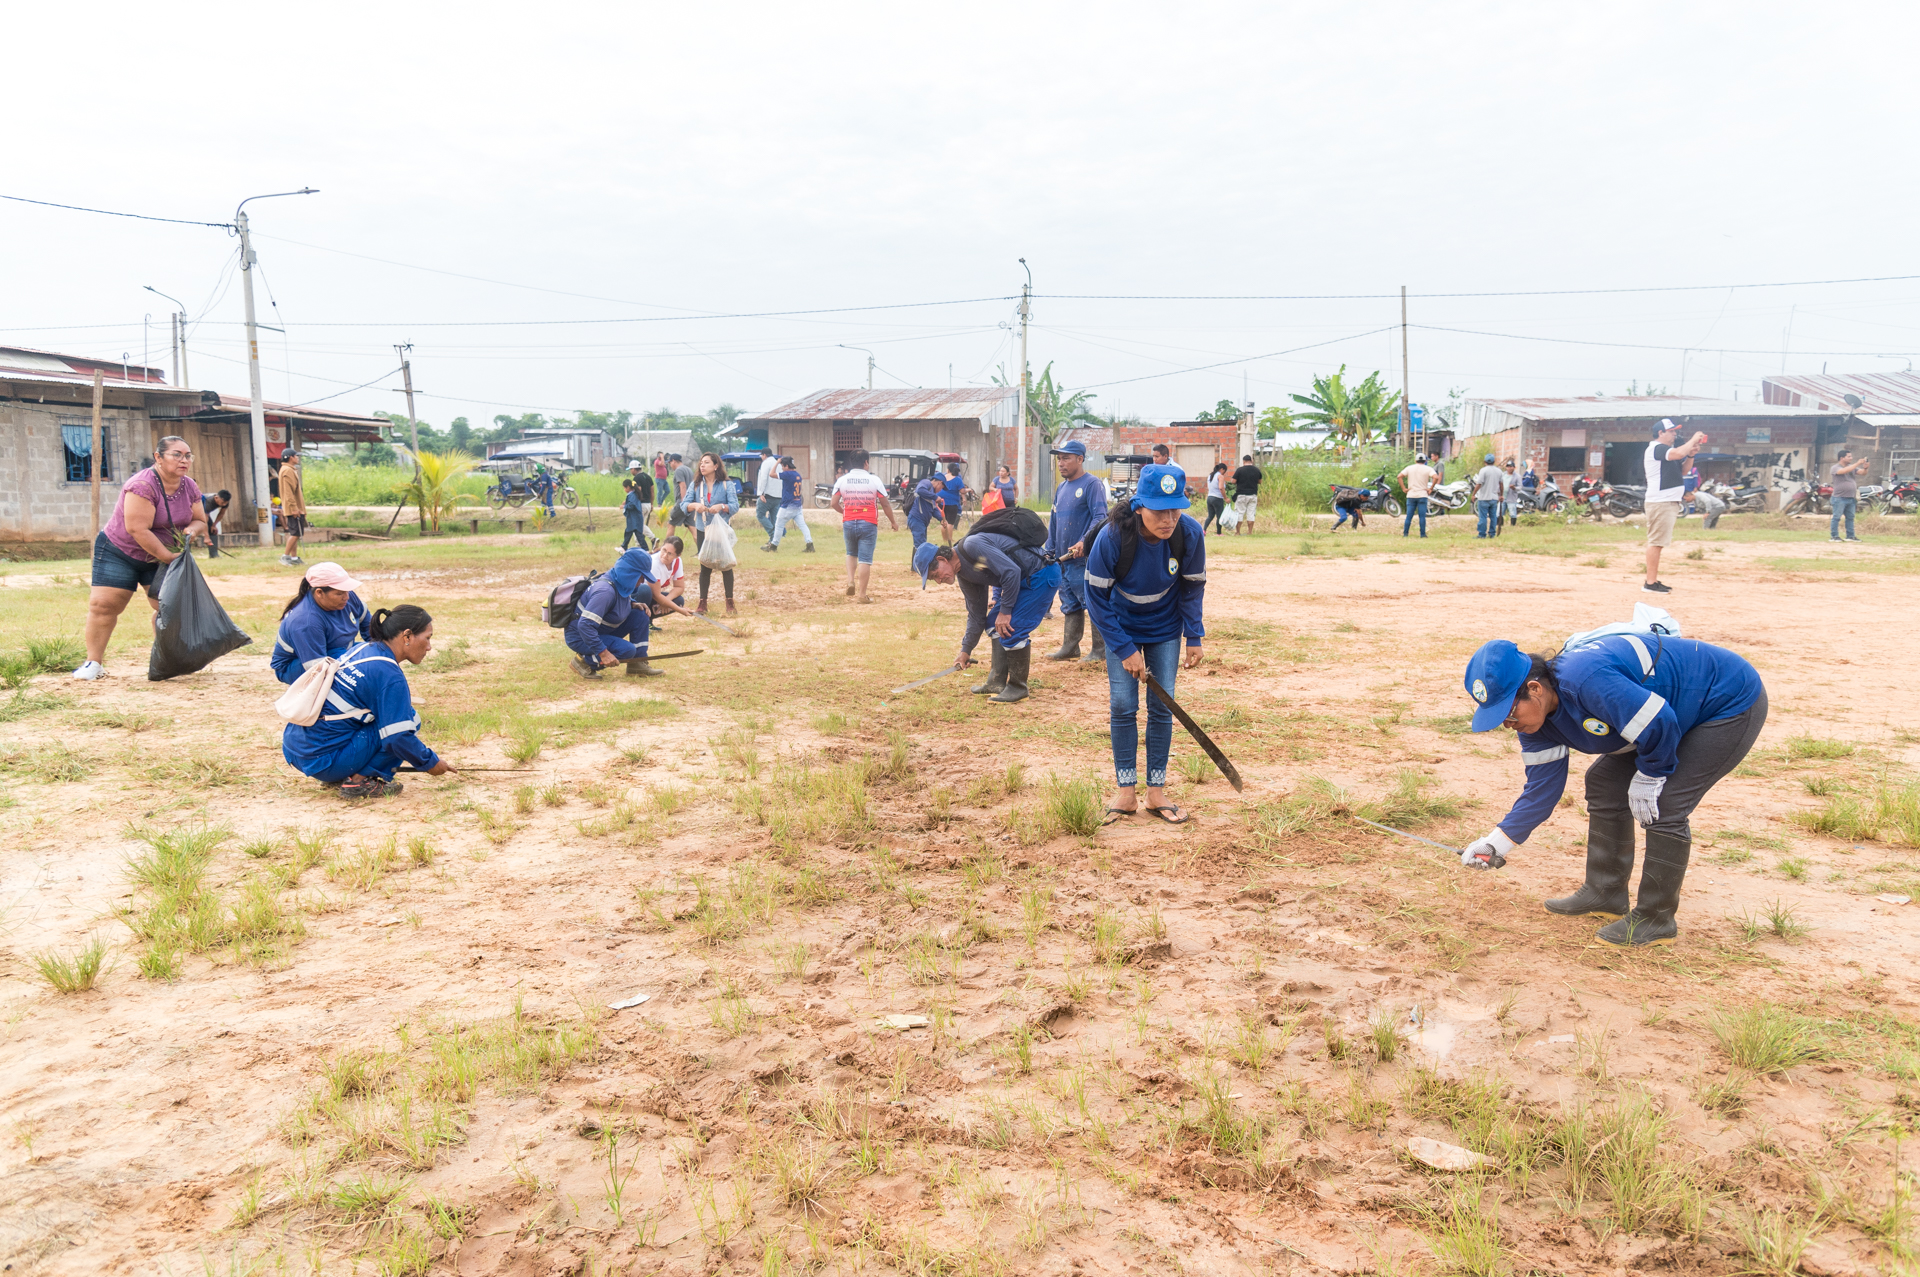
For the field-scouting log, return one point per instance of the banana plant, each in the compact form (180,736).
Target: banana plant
(1353,415)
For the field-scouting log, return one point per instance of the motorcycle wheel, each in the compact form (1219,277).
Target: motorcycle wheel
(1393,506)
(495,499)
(569,498)
(1619,509)
(1555,505)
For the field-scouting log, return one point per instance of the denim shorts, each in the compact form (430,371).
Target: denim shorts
(115,569)
(860,537)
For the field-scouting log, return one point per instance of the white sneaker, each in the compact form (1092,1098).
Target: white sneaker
(285,562)
(90,670)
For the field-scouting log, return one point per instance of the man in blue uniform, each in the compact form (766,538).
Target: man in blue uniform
(1146,583)
(607,628)
(926,508)
(1669,716)
(1079,503)
(1009,588)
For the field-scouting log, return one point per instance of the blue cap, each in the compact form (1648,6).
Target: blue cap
(1161,488)
(1495,676)
(1071,448)
(923,556)
(1489,458)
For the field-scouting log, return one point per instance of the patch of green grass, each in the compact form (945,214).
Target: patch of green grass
(54,762)
(1765,1038)
(16,670)
(55,655)
(1408,803)
(72,973)
(25,704)
(1801,748)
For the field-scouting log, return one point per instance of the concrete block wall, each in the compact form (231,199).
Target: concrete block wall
(37,503)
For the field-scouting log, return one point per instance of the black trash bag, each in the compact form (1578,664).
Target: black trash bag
(191,630)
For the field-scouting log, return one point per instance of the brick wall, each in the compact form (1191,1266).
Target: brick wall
(37,503)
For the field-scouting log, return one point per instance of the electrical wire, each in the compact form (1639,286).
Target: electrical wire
(336,394)
(1635,345)
(1542,292)
(1272,354)
(139,217)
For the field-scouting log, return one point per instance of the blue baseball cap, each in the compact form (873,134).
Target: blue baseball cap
(1071,448)
(1161,488)
(1495,676)
(923,557)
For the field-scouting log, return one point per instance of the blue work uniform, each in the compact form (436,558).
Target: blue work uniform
(1627,692)
(997,574)
(928,496)
(613,615)
(309,632)
(1078,504)
(954,485)
(368,727)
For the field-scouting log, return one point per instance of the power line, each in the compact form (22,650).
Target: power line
(336,394)
(1635,345)
(140,217)
(1272,354)
(1542,292)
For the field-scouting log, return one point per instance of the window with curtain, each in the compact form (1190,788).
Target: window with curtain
(77,441)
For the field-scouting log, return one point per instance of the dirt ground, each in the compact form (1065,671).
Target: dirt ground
(1137,1050)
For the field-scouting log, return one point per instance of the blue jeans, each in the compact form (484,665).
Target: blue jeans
(1843,506)
(1125,691)
(860,539)
(763,513)
(1488,513)
(627,641)
(1415,505)
(791,516)
(1073,585)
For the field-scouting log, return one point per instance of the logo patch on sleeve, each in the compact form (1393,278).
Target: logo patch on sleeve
(1595,726)
(1173,565)
(1479,691)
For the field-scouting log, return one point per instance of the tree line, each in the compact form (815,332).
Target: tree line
(462,436)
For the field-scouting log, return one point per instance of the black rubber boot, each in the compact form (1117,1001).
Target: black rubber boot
(1609,866)
(1661,873)
(1018,663)
(1072,625)
(996,672)
(1096,651)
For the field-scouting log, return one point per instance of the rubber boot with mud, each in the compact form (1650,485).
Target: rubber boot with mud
(996,672)
(638,668)
(1072,625)
(1661,873)
(1097,651)
(1019,662)
(1609,866)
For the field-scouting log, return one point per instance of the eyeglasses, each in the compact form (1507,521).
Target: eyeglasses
(178,456)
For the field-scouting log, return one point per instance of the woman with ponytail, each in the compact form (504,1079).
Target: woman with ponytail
(324,618)
(369,727)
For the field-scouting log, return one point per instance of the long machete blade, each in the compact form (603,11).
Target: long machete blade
(1496,862)
(922,682)
(702,616)
(1193,729)
(668,656)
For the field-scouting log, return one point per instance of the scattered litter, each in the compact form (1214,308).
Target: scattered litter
(1444,1157)
(905,1021)
(633,1001)
(390,922)
(1892,898)
(1561,1037)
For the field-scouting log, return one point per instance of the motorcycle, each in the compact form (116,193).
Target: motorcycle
(1900,496)
(1377,497)
(1546,499)
(1591,497)
(513,491)
(1450,496)
(1626,499)
(1811,497)
(1738,500)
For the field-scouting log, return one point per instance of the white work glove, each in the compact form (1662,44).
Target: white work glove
(1643,797)
(1489,852)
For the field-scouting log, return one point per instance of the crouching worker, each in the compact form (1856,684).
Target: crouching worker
(1668,716)
(607,628)
(369,727)
(1009,588)
(324,619)
(1146,583)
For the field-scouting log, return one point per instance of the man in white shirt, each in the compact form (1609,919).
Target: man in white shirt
(1666,489)
(860,497)
(766,487)
(1418,480)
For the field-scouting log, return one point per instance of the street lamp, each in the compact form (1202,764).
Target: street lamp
(868,353)
(180,373)
(262,504)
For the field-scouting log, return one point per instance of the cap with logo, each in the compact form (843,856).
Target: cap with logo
(1161,488)
(1495,676)
(1663,425)
(1071,448)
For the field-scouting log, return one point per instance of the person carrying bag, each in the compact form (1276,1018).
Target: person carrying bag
(712,503)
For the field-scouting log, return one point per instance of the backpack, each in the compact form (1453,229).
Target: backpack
(1130,544)
(1027,529)
(564,600)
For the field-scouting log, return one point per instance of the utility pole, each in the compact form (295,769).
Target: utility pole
(869,370)
(1026,296)
(413,427)
(179,329)
(93,459)
(1406,377)
(262,503)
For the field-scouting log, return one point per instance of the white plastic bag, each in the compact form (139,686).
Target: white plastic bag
(302,702)
(1647,619)
(716,547)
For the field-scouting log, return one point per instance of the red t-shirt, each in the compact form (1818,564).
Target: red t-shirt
(860,497)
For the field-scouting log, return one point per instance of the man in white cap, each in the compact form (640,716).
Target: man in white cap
(1666,489)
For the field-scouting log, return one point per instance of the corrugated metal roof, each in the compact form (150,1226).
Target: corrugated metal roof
(990,403)
(52,361)
(1628,408)
(1879,391)
(84,381)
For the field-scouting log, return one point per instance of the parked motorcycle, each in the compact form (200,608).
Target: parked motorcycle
(1450,496)
(1811,497)
(1738,500)
(1546,499)
(1625,499)
(1377,497)
(1901,496)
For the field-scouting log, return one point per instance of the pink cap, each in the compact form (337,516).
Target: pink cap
(331,576)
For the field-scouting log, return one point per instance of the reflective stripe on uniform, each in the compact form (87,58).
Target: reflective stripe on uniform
(595,617)
(282,644)
(1143,598)
(1655,703)
(1646,660)
(1104,582)
(1534,757)
(1193,576)
(394,729)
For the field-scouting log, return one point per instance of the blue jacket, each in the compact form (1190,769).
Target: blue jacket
(310,632)
(723,493)
(631,506)
(1078,504)
(1627,692)
(1159,599)
(989,558)
(370,691)
(609,601)
(928,497)
(950,494)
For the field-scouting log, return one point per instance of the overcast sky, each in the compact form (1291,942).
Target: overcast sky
(492,175)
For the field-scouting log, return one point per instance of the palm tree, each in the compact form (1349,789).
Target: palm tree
(1355,415)
(1050,409)
(436,485)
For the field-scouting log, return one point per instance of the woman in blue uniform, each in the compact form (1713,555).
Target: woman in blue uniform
(607,626)
(1668,716)
(1146,582)
(324,619)
(925,508)
(369,726)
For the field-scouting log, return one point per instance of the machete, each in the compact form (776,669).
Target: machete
(1206,742)
(702,616)
(1497,861)
(908,687)
(668,656)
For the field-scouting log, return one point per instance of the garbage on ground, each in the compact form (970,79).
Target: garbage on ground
(905,1021)
(1444,1157)
(633,1001)
(1892,898)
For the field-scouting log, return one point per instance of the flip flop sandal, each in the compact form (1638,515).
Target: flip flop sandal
(1119,813)
(1171,814)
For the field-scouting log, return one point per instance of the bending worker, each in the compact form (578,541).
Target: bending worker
(370,726)
(607,628)
(325,618)
(1146,583)
(1009,588)
(1669,716)
(1079,503)
(924,509)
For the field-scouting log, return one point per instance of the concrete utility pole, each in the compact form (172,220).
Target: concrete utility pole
(262,503)
(93,460)
(413,427)
(179,329)
(1406,378)
(1020,432)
